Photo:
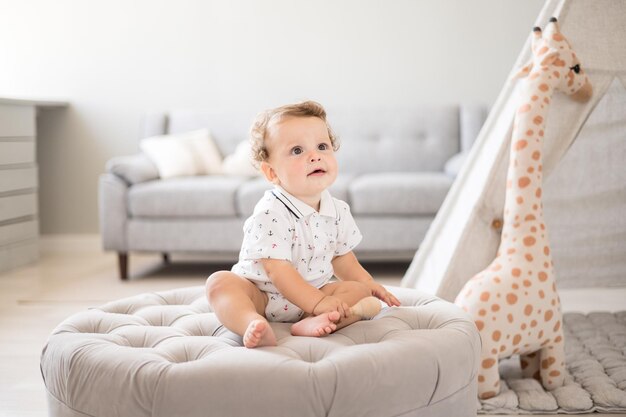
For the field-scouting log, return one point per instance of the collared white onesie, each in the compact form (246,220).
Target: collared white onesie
(283,227)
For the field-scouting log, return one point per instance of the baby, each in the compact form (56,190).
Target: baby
(296,240)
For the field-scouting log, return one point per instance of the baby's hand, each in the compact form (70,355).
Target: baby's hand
(330,303)
(381,293)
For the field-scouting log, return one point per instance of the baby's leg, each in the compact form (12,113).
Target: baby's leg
(351,292)
(316,326)
(240,307)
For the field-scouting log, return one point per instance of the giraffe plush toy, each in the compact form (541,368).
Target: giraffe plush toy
(514,301)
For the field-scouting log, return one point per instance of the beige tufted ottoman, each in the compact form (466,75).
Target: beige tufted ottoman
(165,354)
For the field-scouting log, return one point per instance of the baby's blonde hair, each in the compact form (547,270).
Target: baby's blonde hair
(258,131)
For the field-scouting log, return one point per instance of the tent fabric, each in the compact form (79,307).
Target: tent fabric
(464,236)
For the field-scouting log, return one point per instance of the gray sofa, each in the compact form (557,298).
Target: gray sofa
(396,167)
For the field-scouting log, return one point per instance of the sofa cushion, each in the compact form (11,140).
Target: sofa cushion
(203,196)
(402,139)
(409,193)
(249,193)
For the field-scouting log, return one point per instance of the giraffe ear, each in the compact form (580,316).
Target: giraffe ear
(524,71)
(550,57)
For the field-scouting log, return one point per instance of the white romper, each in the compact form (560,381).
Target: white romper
(283,227)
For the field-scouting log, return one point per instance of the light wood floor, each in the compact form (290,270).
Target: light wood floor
(34,299)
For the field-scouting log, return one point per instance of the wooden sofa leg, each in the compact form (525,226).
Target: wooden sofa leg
(122,258)
(166,258)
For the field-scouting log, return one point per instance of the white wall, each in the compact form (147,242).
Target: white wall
(113,60)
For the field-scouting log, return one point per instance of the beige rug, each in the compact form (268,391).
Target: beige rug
(595,348)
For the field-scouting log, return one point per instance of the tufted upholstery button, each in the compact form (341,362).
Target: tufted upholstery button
(159,354)
(496,224)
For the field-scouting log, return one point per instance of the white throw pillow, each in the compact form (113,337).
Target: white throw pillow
(240,162)
(184,154)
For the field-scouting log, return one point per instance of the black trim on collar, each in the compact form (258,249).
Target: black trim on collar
(287,206)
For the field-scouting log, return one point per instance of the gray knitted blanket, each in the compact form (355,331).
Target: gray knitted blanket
(595,349)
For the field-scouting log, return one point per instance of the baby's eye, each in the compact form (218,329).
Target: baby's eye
(297,150)
(322,146)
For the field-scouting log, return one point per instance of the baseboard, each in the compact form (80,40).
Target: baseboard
(62,243)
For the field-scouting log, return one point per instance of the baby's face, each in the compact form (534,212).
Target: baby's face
(301,158)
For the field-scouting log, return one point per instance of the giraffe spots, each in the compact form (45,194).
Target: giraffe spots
(557,339)
(482,312)
(557,326)
(496,336)
(527,283)
(554,373)
(533,323)
(523,182)
(521,144)
(533,229)
(530,170)
(488,363)
(529,241)
(502,348)
(524,108)
(556,74)
(543,50)
(496,267)
(515,286)
(546,100)
(479,325)
(544,87)
(494,351)
(520,200)
(530,132)
(510,251)
(546,363)
(484,296)
(536,155)
(528,309)
(542,276)
(530,217)
(546,250)
(516,272)
(538,193)
(495,307)
(481,378)
(529,257)
(538,120)
(542,295)
(509,317)
(548,315)
(497,280)
(511,298)
(559,63)
(523,326)
(516,339)
(534,98)
(487,395)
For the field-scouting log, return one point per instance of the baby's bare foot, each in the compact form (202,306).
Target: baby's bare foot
(316,326)
(259,333)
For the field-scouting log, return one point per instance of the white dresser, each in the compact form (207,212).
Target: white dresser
(19,220)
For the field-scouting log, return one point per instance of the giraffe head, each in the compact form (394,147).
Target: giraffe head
(554,56)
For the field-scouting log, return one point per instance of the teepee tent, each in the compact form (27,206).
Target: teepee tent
(584,169)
